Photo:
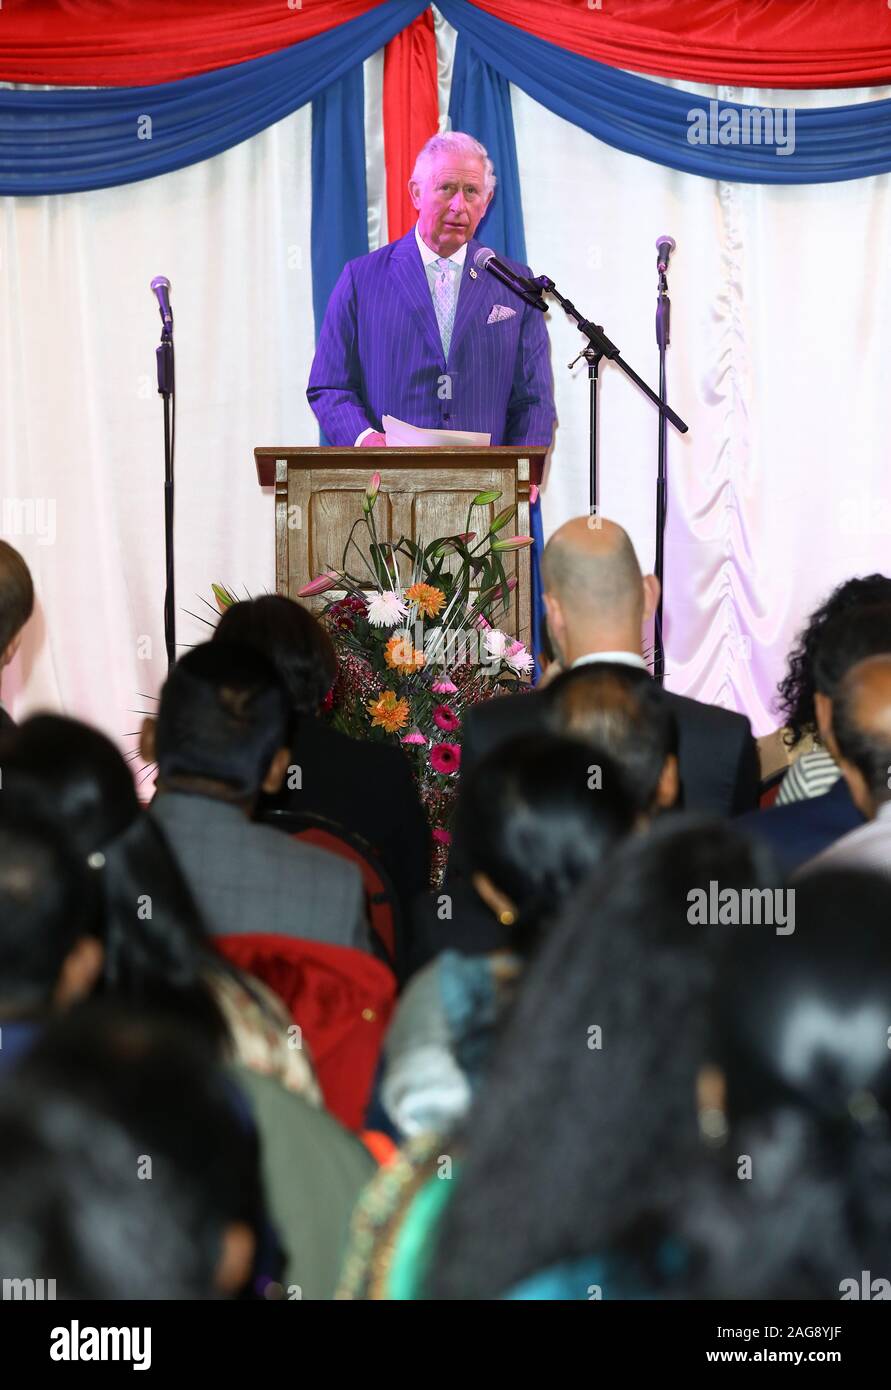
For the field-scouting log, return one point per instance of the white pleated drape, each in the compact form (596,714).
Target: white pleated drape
(781,335)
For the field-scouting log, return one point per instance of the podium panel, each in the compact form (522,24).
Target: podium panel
(425,493)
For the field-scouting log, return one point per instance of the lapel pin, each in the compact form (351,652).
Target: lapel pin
(472,273)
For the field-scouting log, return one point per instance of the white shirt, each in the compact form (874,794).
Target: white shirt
(620,659)
(428,257)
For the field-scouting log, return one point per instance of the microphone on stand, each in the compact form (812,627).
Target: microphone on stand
(161,290)
(486,259)
(664,247)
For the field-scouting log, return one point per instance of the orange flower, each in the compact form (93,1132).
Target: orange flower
(401,656)
(388,712)
(428,598)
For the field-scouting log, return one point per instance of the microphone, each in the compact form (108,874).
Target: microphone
(664,247)
(486,259)
(161,291)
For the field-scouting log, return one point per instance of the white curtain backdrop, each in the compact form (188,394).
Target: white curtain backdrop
(781,335)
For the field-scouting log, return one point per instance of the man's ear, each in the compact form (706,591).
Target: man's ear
(823,713)
(148,740)
(275,773)
(414,192)
(555,621)
(80,971)
(668,788)
(651,591)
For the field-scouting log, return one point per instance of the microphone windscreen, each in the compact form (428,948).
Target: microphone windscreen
(483,256)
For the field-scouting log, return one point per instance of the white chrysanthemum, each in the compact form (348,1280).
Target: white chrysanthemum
(518,659)
(496,643)
(386,609)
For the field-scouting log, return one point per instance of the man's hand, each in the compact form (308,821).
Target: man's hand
(374,440)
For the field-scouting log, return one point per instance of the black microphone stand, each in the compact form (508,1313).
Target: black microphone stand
(166,389)
(601,346)
(663,337)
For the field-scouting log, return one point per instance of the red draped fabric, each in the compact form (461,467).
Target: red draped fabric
(747,43)
(756,43)
(136,43)
(411,114)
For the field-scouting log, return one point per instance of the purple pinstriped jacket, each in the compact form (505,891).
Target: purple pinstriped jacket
(380,353)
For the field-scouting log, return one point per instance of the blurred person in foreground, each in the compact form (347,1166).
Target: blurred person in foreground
(537,821)
(590,1084)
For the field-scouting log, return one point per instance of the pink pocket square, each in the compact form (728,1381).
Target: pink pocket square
(499,312)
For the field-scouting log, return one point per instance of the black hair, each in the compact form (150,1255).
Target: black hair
(588,1112)
(123,1158)
(222,716)
(294,641)
(625,713)
(72,781)
(71,773)
(848,639)
(796,690)
(48,902)
(867,748)
(16,594)
(536,822)
(800,1027)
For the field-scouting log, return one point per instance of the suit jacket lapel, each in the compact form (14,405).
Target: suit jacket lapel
(474,294)
(411,281)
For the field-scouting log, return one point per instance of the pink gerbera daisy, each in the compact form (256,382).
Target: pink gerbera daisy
(445,718)
(445,758)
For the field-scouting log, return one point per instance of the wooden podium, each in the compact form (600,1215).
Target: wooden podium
(424,493)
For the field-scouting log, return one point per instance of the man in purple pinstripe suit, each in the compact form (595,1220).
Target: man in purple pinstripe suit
(414,330)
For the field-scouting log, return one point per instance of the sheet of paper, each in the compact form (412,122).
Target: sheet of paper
(400,435)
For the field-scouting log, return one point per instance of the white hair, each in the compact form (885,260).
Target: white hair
(455,142)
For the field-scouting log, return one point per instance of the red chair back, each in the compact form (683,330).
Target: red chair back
(381,902)
(340,998)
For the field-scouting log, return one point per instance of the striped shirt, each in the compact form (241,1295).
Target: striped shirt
(810,775)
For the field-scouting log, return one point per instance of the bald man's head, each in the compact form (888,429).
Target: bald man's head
(861,723)
(595,595)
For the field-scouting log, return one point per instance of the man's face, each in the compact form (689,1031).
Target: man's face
(450,201)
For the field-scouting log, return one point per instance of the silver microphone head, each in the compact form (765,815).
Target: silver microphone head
(483,256)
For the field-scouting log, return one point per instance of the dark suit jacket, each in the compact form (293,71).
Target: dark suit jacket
(367,788)
(803,829)
(717,757)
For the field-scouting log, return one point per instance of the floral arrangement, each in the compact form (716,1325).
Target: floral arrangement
(416,634)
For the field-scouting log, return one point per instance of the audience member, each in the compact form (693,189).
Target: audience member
(629,719)
(597,602)
(153,946)
(219,740)
(790,1197)
(588,1106)
(815,770)
(16,607)
(861,726)
(51,931)
(803,828)
(126,1170)
(537,818)
(363,786)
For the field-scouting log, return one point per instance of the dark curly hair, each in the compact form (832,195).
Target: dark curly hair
(796,690)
